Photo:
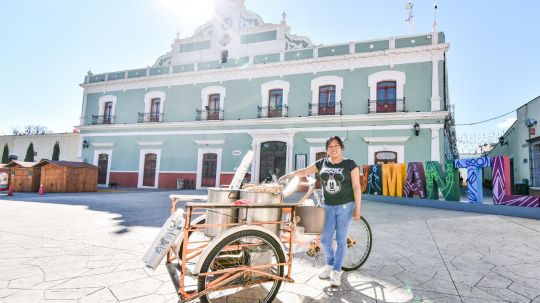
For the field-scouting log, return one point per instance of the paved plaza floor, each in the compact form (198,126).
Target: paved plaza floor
(88,248)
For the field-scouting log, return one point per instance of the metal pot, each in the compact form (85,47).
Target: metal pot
(220,215)
(261,214)
(312,218)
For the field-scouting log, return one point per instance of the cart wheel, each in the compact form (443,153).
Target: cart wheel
(358,245)
(242,250)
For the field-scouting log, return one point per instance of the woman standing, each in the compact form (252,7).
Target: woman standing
(340,179)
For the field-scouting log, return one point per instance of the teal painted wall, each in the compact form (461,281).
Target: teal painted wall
(366,46)
(116,76)
(183,68)
(261,59)
(298,55)
(333,50)
(136,73)
(159,70)
(259,37)
(243,96)
(418,41)
(195,46)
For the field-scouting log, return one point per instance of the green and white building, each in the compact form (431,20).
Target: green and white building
(239,83)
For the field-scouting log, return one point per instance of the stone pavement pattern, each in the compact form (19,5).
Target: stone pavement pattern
(87,248)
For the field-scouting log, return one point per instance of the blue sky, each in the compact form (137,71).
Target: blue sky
(48,46)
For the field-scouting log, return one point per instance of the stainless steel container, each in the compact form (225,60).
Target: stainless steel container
(220,215)
(312,218)
(261,214)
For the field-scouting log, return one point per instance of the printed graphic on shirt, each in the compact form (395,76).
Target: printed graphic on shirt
(332,179)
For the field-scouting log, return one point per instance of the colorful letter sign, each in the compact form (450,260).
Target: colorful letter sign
(415,182)
(446,180)
(474,176)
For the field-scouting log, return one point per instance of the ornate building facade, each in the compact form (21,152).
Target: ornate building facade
(239,83)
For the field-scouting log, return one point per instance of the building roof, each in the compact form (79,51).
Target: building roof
(66,163)
(21,163)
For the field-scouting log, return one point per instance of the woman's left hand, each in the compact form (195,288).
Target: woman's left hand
(356,213)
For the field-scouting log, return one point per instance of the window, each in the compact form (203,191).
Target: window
(107,112)
(327,100)
(383,157)
(275,102)
(386,96)
(213,107)
(155,110)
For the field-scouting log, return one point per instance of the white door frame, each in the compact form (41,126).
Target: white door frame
(399,149)
(200,155)
(259,137)
(141,167)
(109,160)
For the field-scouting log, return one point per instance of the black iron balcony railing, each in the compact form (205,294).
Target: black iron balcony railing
(102,119)
(272,111)
(386,106)
(150,117)
(316,109)
(209,114)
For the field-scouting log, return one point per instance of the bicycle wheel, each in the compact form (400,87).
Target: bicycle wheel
(358,245)
(244,248)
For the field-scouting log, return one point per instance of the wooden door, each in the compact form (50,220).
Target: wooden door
(149,176)
(103,166)
(273,159)
(209,170)
(386,97)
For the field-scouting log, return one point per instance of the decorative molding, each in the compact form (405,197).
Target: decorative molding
(360,118)
(276,84)
(103,144)
(209,142)
(154,95)
(257,132)
(389,75)
(320,140)
(326,80)
(399,149)
(140,177)
(150,143)
(386,139)
(200,155)
(210,90)
(105,99)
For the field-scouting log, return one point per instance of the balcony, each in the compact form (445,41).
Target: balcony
(97,120)
(316,109)
(272,111)
(386,106)
(209,114)
(150,117)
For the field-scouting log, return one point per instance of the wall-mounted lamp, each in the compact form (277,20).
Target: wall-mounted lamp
(85,144)
(501,141)
(416,128)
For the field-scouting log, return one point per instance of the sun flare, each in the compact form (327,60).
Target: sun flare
(192,9)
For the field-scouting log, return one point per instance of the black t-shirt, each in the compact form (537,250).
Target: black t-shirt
(336,180)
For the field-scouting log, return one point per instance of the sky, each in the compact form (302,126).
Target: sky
(47,47)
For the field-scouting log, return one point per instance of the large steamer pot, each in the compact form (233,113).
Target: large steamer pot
(312,219)
(220,215)
(261,214)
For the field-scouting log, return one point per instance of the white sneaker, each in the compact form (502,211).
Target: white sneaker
(325,272)
(335,279)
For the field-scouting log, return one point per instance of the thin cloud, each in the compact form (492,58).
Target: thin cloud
(506,123)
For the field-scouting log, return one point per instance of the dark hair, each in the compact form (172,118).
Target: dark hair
(338,139)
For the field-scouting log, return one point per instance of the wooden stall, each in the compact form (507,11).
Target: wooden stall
(68,176)
(25,176)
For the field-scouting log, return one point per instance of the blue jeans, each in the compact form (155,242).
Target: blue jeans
(338,220)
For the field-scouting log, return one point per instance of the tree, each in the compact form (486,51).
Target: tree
(56,151)
(30,130)
(30,153)
(5,154)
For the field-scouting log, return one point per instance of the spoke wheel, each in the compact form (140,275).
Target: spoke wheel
(242,250)
(358,245)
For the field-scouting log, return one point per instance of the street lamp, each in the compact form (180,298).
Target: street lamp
(416,128)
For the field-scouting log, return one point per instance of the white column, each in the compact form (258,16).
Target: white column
(83,109)
(435,143)
(435,97)
(290,156)
(254,163)
(79,148)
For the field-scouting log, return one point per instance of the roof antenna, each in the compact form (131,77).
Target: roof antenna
(409,6)
(435,27)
